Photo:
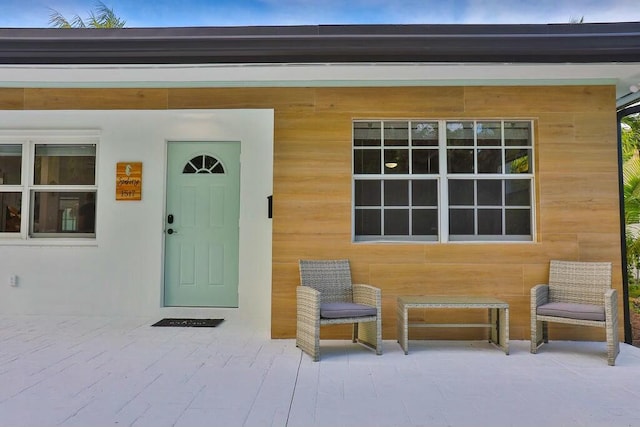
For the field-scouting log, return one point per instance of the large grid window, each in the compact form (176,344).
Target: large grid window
(437,180)
(48,189)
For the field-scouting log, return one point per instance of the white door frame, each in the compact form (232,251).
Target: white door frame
(256,184)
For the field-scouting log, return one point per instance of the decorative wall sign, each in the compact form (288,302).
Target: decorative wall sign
(129,181)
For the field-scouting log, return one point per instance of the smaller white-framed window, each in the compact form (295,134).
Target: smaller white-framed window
(48,187)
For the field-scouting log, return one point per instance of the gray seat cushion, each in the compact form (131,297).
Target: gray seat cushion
(572,311)
(339,310)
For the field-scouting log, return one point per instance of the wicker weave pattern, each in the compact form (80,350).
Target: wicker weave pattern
(330,281)
(579,283)
(331,277)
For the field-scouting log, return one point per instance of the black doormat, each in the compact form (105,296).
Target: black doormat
(200,323)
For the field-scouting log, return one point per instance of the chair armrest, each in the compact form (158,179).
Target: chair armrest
(368,295)
(539,295)
(611,304)
(308,301)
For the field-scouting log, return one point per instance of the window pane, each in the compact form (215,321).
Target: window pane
(517,161)
(517,192)
(197,163)
(396,193)
(65,164)
(425,161)
(489,161)
(461,221)
(11,205)
(367,134)
(490,221)
(64,212)
(461,192)
(367,193)
(517,133)
(396,161)
(424,192)
(425,222)
(518,221)
(396,222)
(367,222)
(366,161)
(10,164)
(489,192)
(424,133)
(396,133)
(460,133)
(460,161)
(489,134)
(189,168)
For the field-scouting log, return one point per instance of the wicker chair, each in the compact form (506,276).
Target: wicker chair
(578,293)
(327,297)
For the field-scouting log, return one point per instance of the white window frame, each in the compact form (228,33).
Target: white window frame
(443,178)
(28,139)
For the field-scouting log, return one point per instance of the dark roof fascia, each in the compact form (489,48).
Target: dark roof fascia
(526,43)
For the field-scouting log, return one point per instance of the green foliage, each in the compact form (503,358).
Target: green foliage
(631,189)
(630,136)
(102,17)
(634,298)
(631,168)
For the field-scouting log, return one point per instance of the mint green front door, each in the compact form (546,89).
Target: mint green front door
(201,224)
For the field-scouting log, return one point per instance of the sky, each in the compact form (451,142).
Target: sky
(186,13)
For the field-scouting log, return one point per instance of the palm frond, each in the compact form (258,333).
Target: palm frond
(77,22)
(103,17)
(57,20)
(106,17)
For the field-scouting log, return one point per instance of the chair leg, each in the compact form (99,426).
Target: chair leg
(613,344)
(308,337)
(539,336)
(354,332)
(536,332)
(379,336)
(369,334)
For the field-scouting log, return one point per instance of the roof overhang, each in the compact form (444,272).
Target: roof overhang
(326,55)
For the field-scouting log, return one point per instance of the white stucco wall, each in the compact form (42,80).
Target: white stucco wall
(121,271)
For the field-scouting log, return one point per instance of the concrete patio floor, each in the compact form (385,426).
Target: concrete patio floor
(92,372)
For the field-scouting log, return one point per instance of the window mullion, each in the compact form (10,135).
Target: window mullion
(475,206)
(26,179)
(410,202)
(383,183)
(503,185)
(443,207)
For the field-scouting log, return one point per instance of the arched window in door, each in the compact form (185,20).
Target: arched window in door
(203,163)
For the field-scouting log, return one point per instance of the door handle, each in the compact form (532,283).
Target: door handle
(171,231)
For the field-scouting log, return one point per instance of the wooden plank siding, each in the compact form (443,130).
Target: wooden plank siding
(577,211)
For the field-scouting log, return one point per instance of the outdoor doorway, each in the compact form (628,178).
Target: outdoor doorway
(629,143)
